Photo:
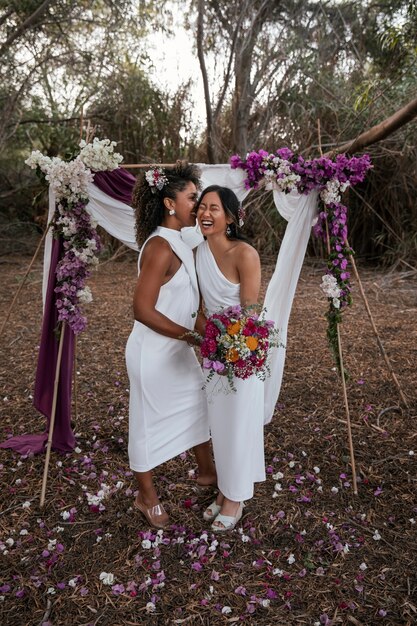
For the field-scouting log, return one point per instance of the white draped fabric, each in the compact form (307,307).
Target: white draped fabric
(48,246)
(117,219)
(224,176)
(299,211)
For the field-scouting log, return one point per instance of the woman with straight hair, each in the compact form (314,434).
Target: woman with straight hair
(167,407)
(229,273)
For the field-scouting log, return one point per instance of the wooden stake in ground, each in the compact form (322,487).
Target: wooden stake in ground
(75,386)
(24,279)
(342,369)
(349,426)
(53,412)
(374,328)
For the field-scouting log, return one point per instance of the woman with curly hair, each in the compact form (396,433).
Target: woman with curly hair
(167,407)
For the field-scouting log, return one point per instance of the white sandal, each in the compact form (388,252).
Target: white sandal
(214,509)
(228,522)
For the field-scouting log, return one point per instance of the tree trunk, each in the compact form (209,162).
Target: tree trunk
(244,93)
(211,150)
(241,99)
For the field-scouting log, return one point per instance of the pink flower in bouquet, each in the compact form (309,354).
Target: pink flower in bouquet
(209,347)
(217,366)
(250,328)
(262,331)
(211,330)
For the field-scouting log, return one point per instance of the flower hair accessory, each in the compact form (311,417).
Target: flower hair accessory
(241,214)
(156,179)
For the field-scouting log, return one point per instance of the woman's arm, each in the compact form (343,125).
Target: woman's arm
(158,265)
(200,324)
(249,268)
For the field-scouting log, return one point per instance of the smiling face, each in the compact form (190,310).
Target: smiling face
(211,215)
(184,205)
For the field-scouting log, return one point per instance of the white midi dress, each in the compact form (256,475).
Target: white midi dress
(235,418)
(167,405)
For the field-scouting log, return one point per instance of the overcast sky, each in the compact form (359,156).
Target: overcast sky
(176,62)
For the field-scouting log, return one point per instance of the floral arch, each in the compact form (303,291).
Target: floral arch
(93,189)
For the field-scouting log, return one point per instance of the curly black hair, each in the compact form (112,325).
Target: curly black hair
(148,201)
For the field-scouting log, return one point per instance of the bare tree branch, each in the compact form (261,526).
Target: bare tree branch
(52,120)
(28,23)
(228,70)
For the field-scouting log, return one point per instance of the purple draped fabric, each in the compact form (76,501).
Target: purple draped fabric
(63,438)
(117,184)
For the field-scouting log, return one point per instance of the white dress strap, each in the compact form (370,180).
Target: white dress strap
(183,252)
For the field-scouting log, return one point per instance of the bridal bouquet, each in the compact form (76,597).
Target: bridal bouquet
(236,344)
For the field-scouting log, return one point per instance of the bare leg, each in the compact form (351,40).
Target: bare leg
(229,507)
(147,501)
(206,468)
(147,493)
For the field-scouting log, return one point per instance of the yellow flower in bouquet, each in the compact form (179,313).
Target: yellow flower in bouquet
(232,355)
(233,328)
(252,343)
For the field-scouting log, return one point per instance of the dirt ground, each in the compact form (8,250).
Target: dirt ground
(308,551)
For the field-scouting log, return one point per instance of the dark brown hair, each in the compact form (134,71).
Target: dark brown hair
(148,201)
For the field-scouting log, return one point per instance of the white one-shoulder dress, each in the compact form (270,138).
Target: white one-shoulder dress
(235,418)
(167,406)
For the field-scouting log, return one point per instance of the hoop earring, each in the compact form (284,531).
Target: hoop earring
(228,231)
(171,212)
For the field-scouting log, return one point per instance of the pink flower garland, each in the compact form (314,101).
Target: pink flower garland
(81,247)
(69,181)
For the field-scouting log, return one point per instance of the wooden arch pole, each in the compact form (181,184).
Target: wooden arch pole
(345,396)
(138,166)
(342,369)
(348,423)
(53,413)
(74,371)
(81,122)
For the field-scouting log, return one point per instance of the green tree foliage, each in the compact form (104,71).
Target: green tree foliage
(311,75)
(317,74)
(58,59)
(149,124)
